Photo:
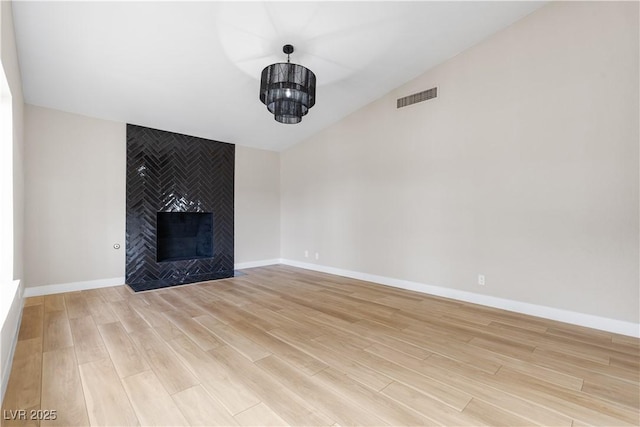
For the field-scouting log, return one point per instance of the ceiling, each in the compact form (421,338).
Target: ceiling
(194,67)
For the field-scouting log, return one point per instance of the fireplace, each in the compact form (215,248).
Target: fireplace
(180,197)
(184,235)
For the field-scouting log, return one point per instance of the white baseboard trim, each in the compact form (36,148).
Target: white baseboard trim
(73,286)
(252,264)
(567,316)
(572,317)
(10,328)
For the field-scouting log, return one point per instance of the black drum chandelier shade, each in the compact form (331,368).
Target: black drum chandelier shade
(288,90)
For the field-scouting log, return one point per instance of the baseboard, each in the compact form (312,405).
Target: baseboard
(567,316)
(572,317)
(10,328)
(252,264)
(35,291)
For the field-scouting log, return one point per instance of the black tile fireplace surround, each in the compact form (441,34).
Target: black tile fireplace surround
(180,199)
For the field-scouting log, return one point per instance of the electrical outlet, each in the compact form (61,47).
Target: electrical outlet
(317,256)
(481,279)
(306,254)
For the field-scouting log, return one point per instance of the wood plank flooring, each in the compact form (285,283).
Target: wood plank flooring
(285,346)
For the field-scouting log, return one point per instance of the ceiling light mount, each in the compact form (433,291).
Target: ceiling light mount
(288,50)
(288,90)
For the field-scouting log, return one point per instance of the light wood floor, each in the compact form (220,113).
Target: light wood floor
(287,346)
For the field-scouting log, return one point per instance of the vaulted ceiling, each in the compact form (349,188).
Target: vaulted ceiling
(194,67)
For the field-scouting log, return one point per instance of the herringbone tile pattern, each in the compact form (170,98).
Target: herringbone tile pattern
(170,172)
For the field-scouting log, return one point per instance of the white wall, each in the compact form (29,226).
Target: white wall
(524,169)
(257,205)
(75,197)
(75,210)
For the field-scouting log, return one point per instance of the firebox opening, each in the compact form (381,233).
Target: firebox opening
(184,236)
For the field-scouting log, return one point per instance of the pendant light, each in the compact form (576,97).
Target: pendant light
(288,90)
